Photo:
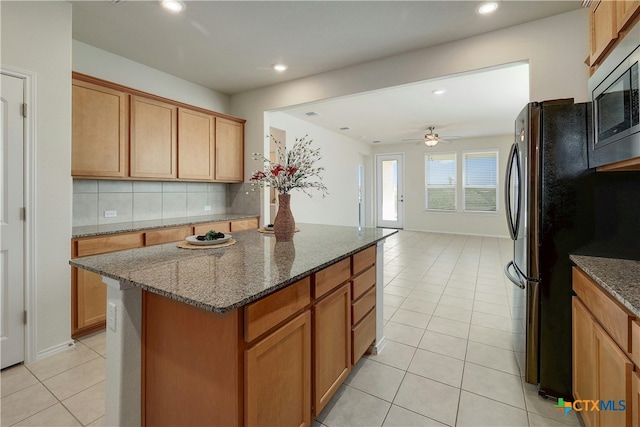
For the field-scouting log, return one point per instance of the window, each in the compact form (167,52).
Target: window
(440,181)
(480,181)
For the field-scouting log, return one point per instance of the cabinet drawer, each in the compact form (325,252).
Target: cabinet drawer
(635,342)
(220,227)
(244,224)
(363,335)
(330,277)
(364,259)
(363,305)
(363,282)
(157,237)
(101,245)
(615,319)
(271,310)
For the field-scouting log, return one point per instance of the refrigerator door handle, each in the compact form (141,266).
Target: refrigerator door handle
(513,160)
(516,280)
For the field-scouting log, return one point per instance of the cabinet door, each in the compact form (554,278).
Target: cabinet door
(635,402)
(229,151)
(584,378)
(91,301)
(153,138)
(332,344)
(100,130)
(625,12)
(278,376)
(614,371)
(196,133)
(603,29)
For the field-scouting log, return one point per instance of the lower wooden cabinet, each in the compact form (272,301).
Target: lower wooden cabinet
(584,380)
(602,370)
(278,376)
(89,307)
(635,399)
(613,376)
(332,344)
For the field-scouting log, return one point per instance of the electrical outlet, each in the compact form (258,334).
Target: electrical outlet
(112,311)
(110,214)
(207,208)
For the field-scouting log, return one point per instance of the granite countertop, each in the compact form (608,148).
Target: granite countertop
(619,277)
(125,227)
(221,279)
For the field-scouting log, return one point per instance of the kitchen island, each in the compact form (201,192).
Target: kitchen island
(259,332)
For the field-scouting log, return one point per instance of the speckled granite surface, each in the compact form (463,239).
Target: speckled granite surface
(619,277)
(123,227)
(222,279)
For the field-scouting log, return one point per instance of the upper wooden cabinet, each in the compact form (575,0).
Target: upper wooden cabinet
(100,131)
(119,132)
(625,12)
(154,139)
(602,22)
(196,143)
(608,21)
(229,151)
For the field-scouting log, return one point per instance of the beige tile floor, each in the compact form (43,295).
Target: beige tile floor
(447,361)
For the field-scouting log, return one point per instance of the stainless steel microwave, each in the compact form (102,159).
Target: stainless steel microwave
(614,90)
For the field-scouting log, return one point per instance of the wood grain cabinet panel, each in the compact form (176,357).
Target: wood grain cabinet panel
(332,344)
(100,131)
(153,143)
(363,283)
(278,377)
(604,31)
(167,235)
(229,155)
(89,310)
(244,224)
(196,144)
(331,277)
(584,378)
(626,11)
(635,399)
(363,335)
(614,371)
(364,259)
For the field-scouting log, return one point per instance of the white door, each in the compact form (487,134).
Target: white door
(389,188)
(12,329)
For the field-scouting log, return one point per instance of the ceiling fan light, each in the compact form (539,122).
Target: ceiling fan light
(431,142)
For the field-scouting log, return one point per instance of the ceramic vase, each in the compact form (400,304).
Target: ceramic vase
(284,226)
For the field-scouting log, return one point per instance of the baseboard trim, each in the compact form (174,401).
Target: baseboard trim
(56,349)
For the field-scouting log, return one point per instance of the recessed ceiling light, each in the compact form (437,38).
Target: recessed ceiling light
(173,5)
(439,91)
(279,67)
(487,7)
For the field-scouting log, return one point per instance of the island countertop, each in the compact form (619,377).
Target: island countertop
(221,279)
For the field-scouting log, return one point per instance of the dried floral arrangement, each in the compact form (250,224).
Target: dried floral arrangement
(294,168)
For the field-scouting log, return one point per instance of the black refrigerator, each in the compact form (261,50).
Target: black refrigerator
(549,207)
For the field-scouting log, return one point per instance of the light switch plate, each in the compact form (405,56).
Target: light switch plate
(207,208)
(112,311)
(110,214)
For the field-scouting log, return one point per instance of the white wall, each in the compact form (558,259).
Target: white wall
(36,37)
(415,215)
(554,47)
(99,63)
(341,156)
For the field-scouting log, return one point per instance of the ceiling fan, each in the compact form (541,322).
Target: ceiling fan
(431,139)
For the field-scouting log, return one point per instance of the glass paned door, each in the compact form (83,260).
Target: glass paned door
(389,174)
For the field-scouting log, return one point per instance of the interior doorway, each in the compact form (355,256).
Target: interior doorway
(390,190)
(12,225)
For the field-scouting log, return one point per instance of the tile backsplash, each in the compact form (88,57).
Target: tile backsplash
(148,200)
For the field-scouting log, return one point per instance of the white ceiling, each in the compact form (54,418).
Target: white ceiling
(229,46)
